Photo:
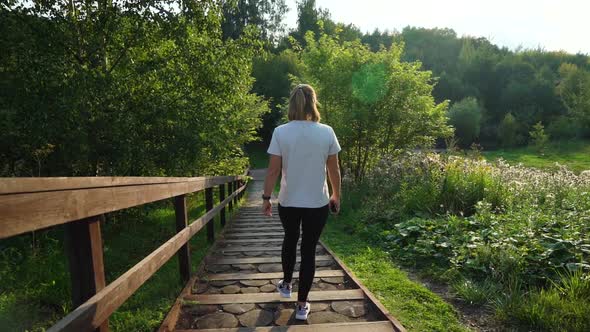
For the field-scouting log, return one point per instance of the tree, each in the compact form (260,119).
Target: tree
(538,137)
(266,15)
(465,117)
(508,131)
(273,74)
(122,88)
(574,90)
(376,103)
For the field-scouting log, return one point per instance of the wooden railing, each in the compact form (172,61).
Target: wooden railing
(30,204)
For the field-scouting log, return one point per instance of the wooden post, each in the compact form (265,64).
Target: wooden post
(184,254)
(235,188)
(221,198)
(208,207)
(230,190)
(83,242)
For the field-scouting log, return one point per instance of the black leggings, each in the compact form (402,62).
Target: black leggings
(312,220)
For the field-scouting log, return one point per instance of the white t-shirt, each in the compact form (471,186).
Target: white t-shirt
(304,147)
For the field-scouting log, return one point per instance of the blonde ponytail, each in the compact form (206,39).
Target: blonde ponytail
(302,104)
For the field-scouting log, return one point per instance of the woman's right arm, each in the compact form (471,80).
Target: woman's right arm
(334,176)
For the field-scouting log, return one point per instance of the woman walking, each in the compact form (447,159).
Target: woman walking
(302,150)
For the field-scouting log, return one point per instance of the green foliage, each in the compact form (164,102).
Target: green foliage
(273,73)
(417,308)
(565,128)
(504,236)
(574,90)
(131,91)
(538,137)
(508,129)
(375,103)
(266,15)
(465,117)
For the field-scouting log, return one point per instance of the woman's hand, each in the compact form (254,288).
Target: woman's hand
(334,204)
(267,207)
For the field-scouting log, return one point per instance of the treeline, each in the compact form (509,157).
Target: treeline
(499,97)
(124,88)
(177,88)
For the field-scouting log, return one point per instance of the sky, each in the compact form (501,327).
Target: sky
(550,24)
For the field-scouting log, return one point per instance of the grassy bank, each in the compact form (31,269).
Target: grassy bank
(575,155)
(35,287)
(417,308)
(513,239)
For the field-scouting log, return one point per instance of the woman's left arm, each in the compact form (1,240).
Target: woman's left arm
(275,164)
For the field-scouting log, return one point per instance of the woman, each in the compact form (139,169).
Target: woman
(302,149)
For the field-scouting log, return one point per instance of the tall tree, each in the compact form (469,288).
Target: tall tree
(123,88)
(266,15)
(376,103)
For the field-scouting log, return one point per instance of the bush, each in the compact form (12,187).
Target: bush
(564,128)
(508,131)
(465,116)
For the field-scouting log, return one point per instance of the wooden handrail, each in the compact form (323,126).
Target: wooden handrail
(34,207)
(98,308)
(29,204)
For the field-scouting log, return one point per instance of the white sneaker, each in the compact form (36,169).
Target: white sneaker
(284,289)
(302,312)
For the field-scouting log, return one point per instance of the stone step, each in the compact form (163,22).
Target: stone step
(261,260)
(328,295)
(269,275)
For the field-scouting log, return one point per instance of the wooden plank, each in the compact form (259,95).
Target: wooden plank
(327,295)
(263,249)
(184,253)
(234,241)
(86,264)
(42,184)
(21,213)
(398,326)
(253,234)
(270,275)
(259,260)
(99,307)
(379,326)
(259,225)
(255,230)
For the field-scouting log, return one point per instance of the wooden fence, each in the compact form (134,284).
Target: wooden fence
(30,204)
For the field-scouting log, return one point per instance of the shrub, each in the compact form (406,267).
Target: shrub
(465,116)
(508,131)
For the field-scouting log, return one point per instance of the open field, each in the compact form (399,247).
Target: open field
(575,155)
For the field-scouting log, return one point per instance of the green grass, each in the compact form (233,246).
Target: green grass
(417,308)
(35,288)
(574,154)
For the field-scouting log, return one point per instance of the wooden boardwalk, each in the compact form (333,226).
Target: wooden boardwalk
(235,286)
